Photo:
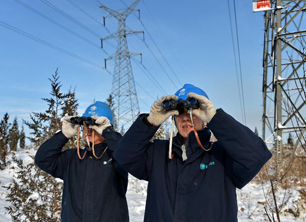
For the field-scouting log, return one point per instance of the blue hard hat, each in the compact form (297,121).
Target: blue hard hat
(188,88)
(99,109)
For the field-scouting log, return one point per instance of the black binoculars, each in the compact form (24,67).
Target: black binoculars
(181,104)
(80,120)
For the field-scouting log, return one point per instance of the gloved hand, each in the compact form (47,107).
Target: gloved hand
(207,109)
(69,129)
(158,114)
(100,124)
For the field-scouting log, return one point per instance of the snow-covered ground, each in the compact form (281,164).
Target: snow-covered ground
(250,198)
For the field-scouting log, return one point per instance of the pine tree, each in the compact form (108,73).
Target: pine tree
(122,131)
(290,140)
(70,109)
(256,131)
(71,104)
(162,132)
(36,125)
(4,126)
(22,138)
(14,136)
(111,103)
(46,124)
(31,188)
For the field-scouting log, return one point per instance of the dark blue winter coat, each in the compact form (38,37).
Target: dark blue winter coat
(94,189)
(202,188)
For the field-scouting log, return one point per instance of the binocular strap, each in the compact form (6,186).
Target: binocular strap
(197,136)
(78,146)
(171,138)
(92,147)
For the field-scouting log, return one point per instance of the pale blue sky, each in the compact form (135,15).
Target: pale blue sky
(193,36)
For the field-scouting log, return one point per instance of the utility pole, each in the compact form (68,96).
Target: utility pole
(284,74)
(126,107)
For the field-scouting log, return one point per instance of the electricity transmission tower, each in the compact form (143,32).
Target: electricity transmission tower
(284,81)
(126,107)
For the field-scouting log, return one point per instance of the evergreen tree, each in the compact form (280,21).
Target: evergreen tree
(14,136)
(4,126)
(46,124)
(290,140)
(33,194)
(22,138)
(122,131)
(36,125)
(163,131)
(70,109)
(111,103)
(71,104)
(256,131)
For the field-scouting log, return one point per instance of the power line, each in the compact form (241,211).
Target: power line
(164,37)
(82,10)
(238,73)
(147,31)
(58,24)
(52,46)
(90,16)
(150,76)
(71,19)
(238,46)
(235,58)
(5,25)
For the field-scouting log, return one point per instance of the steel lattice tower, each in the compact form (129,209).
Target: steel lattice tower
(126,107)
(284,74)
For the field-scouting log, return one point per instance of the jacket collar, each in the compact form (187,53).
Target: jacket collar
(191,145)
(99,148)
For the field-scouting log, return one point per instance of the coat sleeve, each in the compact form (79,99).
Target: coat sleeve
(135,151)
(246,153)
(50,158)
(112,139)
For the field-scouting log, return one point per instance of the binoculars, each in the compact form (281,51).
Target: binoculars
(189,103)
(80,120)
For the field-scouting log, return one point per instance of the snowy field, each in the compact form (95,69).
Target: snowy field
(250,198)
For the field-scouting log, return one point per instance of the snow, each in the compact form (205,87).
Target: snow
(251,198)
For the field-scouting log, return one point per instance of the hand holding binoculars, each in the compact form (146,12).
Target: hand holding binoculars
(189,103)
(80,120)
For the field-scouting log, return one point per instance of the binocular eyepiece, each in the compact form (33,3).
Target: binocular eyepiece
(181,104)
(80,120)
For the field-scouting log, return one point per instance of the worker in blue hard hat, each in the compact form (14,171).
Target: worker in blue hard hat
(190,177)
(94,184)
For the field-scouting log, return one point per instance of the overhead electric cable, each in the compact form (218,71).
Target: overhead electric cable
(179,63)
(70,18)
(90,16)
(145,90)
(147,31)
(235,58)
(150,76)
(53,46)
(241,81)
(74,20)
(60,25)
(159,63)
(5,25)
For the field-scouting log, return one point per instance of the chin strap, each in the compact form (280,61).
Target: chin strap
(196,134)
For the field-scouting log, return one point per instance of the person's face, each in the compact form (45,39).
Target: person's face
(97,137)
(184,124)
